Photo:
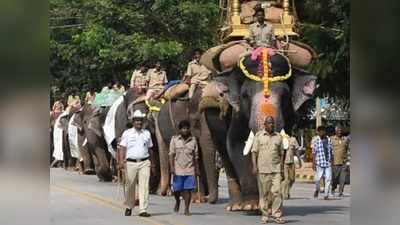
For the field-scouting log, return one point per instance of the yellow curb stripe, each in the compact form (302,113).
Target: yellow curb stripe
(102,201)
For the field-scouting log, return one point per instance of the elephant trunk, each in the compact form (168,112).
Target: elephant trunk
(164,162)
(208,158)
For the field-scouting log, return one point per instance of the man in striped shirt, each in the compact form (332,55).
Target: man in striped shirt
(322,161)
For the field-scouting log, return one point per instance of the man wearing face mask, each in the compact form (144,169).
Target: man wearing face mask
(196,73)
(134,158)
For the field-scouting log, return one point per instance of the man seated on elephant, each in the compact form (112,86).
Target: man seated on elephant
(267,160)
(157,79)
(196,73)
(183,159)
(139,80)
(261,34)
(134,157)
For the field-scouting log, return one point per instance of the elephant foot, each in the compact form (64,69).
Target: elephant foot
(115,179)
(89,172)
(213,197)
(250,205)
(234,207)
(198,198)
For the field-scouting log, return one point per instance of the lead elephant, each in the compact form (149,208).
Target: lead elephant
(285,100)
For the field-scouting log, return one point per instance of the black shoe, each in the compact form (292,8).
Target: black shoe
(316,194)
(128,212)
(326,198)
(144,214)
(340,194)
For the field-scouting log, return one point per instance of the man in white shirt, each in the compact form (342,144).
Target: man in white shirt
(134,156)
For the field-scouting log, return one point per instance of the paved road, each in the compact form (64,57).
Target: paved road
(82,200)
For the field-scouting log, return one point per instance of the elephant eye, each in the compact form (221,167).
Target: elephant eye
(221,94)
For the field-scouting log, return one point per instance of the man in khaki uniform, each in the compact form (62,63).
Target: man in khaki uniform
(183,159)
(196,73)
(262,34)
(139,79)
(340,152)
(267,160)
(157,80)
(289,167)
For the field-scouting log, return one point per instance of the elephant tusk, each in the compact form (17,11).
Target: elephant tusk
(249,143)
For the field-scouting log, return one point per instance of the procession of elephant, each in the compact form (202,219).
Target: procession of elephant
(222,115)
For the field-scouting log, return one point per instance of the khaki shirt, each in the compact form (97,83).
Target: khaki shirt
(270,150)
(186,151)
(340,150)
(139,79)
(157,79)
(290,153)
(199,74)
(261,35)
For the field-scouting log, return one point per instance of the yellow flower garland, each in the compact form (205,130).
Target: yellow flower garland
(270,79)
(152,108)
(265,64)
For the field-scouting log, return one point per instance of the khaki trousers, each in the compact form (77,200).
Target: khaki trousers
(134,172)
(270,193)
(290,176)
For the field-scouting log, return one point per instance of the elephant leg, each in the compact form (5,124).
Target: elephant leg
(218,129)
(88,167)
(103,169)
(201,191)
(164,162)
(154,171)
(66,153)
(208,160)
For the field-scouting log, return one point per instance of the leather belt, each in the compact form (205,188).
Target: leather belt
(137,160)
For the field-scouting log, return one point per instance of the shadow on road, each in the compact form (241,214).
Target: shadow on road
(307,210)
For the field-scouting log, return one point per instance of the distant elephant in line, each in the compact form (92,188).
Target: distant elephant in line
(90,122)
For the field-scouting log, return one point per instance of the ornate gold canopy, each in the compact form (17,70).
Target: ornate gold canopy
(234,29)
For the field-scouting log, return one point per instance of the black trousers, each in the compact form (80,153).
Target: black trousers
(339,173)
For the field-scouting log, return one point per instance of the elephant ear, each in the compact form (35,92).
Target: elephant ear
(303,88)
(231,80)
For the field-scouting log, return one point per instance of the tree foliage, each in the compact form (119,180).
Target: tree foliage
(325,25)
(95,41)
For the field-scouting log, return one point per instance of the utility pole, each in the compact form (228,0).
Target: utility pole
(318,118)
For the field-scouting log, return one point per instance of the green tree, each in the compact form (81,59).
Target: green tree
(95,41)
(325,25)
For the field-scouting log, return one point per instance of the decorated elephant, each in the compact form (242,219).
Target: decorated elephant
(282,97)
(174,111)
